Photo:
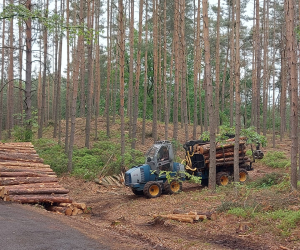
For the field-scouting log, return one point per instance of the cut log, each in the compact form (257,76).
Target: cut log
(58,198)
(63,210)
(114,181)
(22,174)
(23,164)
(48,171)
(75,211)
(176,217)
(14,191)
(34,185)
(81,206)
(25,180)
(20,157)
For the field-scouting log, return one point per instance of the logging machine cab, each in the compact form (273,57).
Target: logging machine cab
(160,156)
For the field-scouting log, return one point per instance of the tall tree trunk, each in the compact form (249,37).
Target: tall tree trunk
(68,89)
(145,77)
(58,91)
(165,83)
(155,65)
(107,108)
(131,52)
(218,67)
(211,110)
(97,71)
(20,106)
(283,91)
(10,89)
(184,94)
(254,82)
(258,65)
(43,104)
(237,95)
(266,70)
(232,63)
(292,62)
(2,74)
(82,62)
(89,98)
(28,83)
(137,78)
(122,65)
(177,66)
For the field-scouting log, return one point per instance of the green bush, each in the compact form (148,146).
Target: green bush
(285,220)
(267,181)
(53,155)
(276,159)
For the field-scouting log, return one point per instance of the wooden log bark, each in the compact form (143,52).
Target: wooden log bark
(177,217)
(23,174)
(48,172)
(34,185)
(25,180)
(15,163)
(58,209)
(45,190)
(81,206)
(58,198)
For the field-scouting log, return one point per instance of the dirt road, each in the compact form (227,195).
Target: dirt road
(21,228)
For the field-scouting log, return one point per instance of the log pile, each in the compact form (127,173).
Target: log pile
(115,180)
(224,152)
(189,217)
(25,179)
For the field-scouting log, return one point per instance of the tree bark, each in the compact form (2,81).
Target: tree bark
(212,120)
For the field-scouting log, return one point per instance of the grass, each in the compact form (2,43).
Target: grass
(276,159)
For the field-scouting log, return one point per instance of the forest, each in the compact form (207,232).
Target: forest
(197,65)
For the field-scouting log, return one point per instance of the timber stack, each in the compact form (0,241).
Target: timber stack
(224,152)
(24,178)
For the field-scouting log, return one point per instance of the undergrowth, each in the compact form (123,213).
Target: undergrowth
(266,201)
(276,159)
(103,158)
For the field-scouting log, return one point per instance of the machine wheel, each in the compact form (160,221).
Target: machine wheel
(152,189)
(243,175)
(222,178)
(137,192)
(174,187)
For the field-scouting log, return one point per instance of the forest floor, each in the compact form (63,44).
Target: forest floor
(116,212)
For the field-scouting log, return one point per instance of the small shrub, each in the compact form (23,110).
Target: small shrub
(53,155)
(276,159)
(267,181)
(285,220)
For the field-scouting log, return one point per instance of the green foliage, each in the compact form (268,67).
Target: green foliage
(250,133)
(25,133)
(49,20)
(240,212)
(276,159)
(285,220)
(268,180)
(103,158)
(53,155)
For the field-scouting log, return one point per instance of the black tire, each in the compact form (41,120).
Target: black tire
(137,192)
(173,187)
(204,182)
(152,189)
(243,175)
(222,179)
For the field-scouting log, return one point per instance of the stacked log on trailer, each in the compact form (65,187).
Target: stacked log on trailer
(25,179)
(224,152)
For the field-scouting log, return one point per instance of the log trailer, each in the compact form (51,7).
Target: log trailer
(161,174)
